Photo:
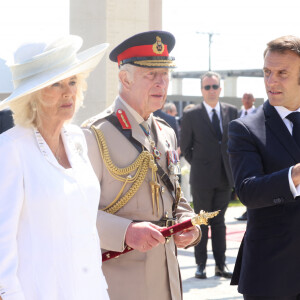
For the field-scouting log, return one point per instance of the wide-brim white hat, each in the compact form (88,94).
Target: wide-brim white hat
(38,65)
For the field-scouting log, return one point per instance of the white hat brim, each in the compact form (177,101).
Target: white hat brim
(86,61)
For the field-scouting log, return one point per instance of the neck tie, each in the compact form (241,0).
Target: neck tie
(216,125)
(146,128)
(246,113)
(295,119)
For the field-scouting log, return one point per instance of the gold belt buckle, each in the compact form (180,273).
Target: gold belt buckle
(169,222)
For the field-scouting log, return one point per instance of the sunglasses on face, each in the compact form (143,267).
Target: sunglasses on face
(214,86)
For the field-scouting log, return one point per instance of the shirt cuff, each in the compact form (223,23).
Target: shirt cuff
(295,190)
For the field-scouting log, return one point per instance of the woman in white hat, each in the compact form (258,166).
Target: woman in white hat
(49,194)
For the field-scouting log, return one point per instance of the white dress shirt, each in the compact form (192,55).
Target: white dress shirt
(210,112)
(49,246)
(249,111)
(284,112)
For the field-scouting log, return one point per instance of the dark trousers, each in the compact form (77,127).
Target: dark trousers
(212,200)
(247,297)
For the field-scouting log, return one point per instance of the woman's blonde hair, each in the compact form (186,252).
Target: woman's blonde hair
(26,109)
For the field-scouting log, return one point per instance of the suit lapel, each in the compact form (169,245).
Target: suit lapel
(225,119)
(278,128)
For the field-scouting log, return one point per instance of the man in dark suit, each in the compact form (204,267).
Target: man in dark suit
(204,134)
(6,120)
(264,151)
(248,108)
(171,120)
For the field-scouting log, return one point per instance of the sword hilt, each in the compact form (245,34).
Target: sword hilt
(203,217)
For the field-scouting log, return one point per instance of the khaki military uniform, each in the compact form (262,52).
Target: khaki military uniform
(135,275)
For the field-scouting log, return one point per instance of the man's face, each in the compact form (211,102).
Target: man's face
(148,89)
(248,100)
(211,90)
(281,76)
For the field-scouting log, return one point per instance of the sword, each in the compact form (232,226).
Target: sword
(200,219)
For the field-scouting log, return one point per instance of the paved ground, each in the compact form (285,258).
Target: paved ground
(213,288)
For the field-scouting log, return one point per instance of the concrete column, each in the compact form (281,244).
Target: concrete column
(177,86)
(155,14)
(112,21)
(230,87)
(88,20)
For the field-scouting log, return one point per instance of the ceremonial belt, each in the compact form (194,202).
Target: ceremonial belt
(163,222)
(139,147)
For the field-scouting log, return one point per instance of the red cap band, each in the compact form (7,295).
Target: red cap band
(141,51)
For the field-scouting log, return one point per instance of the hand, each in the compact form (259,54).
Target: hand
(296,174)
(143,236)
(186,237)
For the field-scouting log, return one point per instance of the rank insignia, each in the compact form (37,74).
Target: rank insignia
(121,115)
(158,47)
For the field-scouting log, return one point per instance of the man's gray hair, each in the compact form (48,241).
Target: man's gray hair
(210,74)
(129,69)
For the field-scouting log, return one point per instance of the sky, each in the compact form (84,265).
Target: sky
(29,20)
(241,30)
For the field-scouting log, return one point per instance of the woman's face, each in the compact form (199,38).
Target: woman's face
(58,101)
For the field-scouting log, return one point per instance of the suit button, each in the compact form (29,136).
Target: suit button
(277,200)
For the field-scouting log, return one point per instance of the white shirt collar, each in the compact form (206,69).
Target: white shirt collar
(284,112)
(249,110)
(209,108)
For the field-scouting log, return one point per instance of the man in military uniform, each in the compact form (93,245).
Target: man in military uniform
(133,154)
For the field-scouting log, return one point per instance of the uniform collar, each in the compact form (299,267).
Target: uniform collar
(139,119)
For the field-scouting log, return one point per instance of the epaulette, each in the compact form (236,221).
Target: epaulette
(93,120)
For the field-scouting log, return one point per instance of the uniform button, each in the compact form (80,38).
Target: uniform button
(277,200)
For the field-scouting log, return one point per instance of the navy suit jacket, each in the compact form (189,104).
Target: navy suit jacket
(169,119)
(6,120)
(261,151)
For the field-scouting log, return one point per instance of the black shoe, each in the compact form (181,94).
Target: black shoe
(222,273)
(200,273)
(243,217)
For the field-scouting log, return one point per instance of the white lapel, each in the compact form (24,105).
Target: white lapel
(73,149)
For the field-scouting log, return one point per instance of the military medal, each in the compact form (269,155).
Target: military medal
(173,162)
(156,153)
(167,144)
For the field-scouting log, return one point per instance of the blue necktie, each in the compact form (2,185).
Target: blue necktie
(216,125)
(294,117)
